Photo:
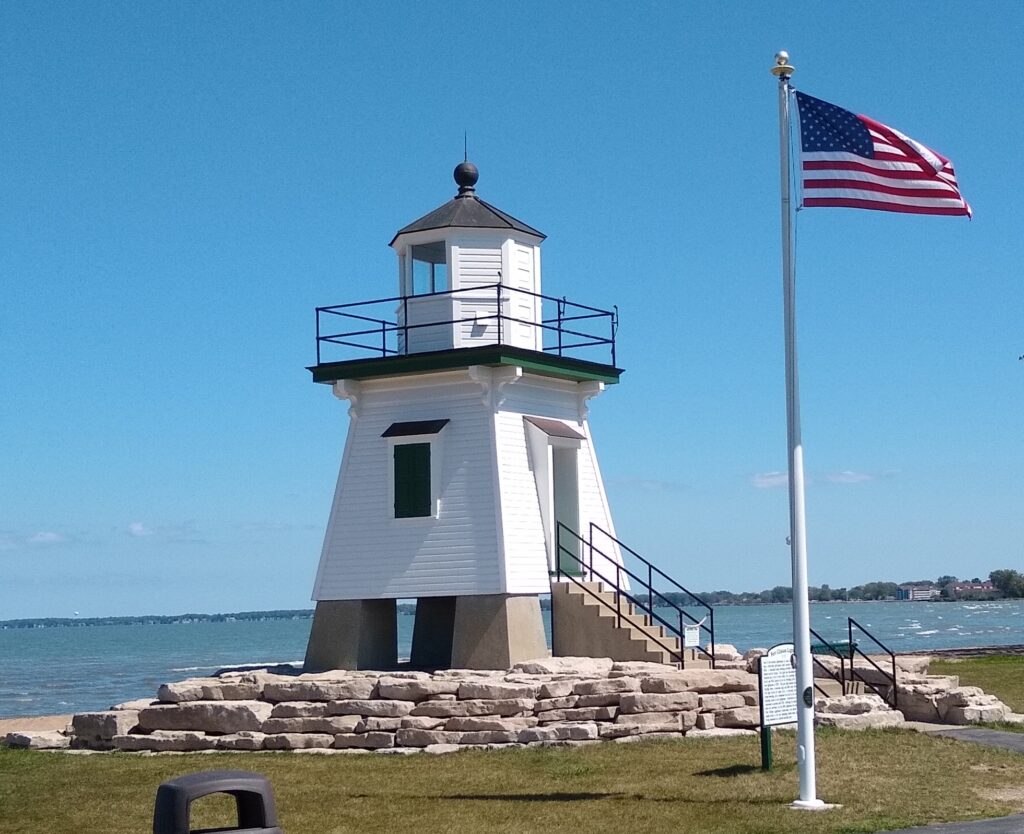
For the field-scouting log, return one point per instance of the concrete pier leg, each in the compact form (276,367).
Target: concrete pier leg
(496,631)
(353,634)
(432,632)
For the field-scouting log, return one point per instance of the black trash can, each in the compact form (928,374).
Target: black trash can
(254,801)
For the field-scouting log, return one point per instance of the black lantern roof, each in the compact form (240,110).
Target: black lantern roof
(467,211)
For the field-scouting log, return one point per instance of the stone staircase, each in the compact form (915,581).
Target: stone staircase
(585,622)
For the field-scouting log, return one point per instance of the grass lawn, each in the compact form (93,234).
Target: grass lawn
(884,779)
(999,675)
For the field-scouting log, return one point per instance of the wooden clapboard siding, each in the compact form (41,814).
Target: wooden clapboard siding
(526,560)
(368,553)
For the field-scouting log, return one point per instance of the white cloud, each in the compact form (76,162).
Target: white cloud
(139,530)
(46,537)
(848,477)
(769,480)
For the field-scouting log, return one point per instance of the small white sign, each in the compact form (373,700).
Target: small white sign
(778,686)
(691,636)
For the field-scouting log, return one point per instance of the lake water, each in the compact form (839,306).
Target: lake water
(63,670)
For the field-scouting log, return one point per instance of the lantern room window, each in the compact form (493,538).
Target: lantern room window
(429,268)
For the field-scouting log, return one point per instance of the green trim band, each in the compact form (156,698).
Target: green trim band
(544,364)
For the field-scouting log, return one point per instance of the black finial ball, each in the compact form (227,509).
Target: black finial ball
(466,175)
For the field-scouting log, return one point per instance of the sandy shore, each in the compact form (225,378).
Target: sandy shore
(37,723)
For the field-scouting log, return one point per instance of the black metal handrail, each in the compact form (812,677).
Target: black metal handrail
(651,571)
(678,654)
(841,677)
(851,624)
(394,332)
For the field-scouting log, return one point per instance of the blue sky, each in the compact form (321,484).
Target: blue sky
(182,184)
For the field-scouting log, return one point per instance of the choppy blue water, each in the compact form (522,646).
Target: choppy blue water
(63,670)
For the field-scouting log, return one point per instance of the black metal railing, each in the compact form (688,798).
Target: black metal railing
(645,603)
(705,624)
(832,649)
(892,695)
(382,327)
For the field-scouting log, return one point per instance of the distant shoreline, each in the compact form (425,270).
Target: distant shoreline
(307,614)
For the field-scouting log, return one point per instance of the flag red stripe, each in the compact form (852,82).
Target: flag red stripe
(837,202)
(890,173)
(928,193)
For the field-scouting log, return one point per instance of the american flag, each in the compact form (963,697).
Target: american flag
(856,162)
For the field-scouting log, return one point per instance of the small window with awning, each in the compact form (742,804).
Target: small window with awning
(415,467)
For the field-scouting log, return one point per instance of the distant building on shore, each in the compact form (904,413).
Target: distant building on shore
(971,590)
(918,593)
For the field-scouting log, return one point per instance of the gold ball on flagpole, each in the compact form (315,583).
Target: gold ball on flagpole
(782,66)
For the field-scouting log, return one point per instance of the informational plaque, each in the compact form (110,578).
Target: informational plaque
(691,636)
(777,680)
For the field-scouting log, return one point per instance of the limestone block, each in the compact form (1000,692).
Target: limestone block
(585,714)
(607,686)
(703,681)
(165,741)
(752,657)
(743,717)
(640,669)
(297,741)
(705,721)
(398,751)
(913,664)
(491,723)
(325,724)
(415,690)
(724,651)
(1013,718)
(419,722)
(441,749)
(720,732)
(381,708)
(665,719)
(451,709)
(104,725)
(609,700)
(425,738)
(469,674)
(190,689)
(489,737)
(617,731)
(638,702)
(557,689)
(305,689)
(236,688)
(375,724)
(522,677)
(559,732)
(136,705)
(299,709)
(37,740)
(365,741)
(580,667)
(207,716)
(851,705)
(859,721)
(739,665)
(442,698)
(239,741)
(976,714)
(962,696)
(565,702)
(720,701)
(750,699)
(494,691)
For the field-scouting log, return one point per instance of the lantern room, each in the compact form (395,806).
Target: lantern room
(468,275)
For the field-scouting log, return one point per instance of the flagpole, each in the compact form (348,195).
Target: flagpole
(797,522)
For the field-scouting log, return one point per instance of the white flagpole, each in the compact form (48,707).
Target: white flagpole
(797,523)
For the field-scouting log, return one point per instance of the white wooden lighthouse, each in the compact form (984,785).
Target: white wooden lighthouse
(469,466)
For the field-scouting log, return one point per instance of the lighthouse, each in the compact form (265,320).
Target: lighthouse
(469,471)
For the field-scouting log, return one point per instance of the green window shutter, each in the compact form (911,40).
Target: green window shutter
(412,480)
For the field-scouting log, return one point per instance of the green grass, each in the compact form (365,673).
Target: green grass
(999,675)
(883,779)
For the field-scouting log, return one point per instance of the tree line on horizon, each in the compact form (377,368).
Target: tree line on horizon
(1008,584)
